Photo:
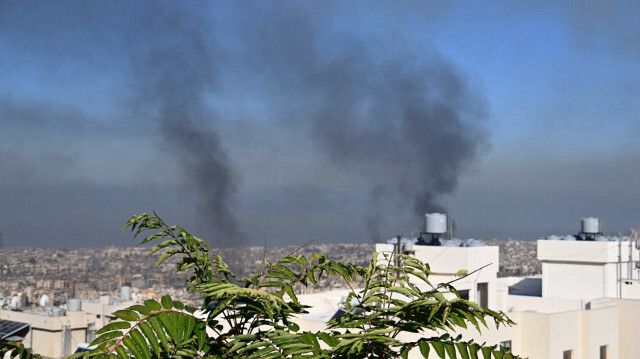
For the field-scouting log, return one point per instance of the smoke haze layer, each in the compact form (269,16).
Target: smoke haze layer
(406,124)
(175,69)
(188,87)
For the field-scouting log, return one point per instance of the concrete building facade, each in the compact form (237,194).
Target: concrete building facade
(585,305)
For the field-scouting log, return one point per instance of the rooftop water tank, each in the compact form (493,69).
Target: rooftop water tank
(44,300)
(74,305)
(451,243)
(15,302)
(353,302)
(57,312)
(436,223)
(407,244)
(125,293)
(591,225)
(474,243)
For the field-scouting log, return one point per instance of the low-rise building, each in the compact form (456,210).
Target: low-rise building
(54,333)
(585,304)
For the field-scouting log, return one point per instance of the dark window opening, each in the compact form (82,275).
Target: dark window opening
(482,294)
(603,352)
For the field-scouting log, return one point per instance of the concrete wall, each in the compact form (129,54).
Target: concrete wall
(523,303)
(585,251)
(601,327)
(446,261)
(588,269)
(628,320)
(574,319)
(630,289)
(582,331)
(575,281)
(99,312)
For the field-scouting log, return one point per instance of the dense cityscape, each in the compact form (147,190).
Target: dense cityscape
(87,273)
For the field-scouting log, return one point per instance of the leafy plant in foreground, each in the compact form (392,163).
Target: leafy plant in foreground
(253,317)
(10,349)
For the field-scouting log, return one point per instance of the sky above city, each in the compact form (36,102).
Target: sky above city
(330,120)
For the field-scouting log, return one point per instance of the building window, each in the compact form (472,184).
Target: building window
(603,351)
(464,294)
(506,344)
(566,354)
(482,294)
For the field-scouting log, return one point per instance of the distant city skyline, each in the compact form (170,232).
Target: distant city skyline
(340,122)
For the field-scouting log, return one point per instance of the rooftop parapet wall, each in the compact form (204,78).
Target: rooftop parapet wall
(449,260)
(586,251)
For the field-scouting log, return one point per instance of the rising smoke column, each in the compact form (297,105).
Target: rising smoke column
(407,124)
(408,127)
(175,71)
(402,120)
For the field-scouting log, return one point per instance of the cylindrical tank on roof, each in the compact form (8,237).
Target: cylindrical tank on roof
(436,223)
(474,243)
(591,225)
(451,243)
(15,302)
(125,293)
(74,305)
(44,300)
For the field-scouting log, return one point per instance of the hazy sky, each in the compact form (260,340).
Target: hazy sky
(329,120)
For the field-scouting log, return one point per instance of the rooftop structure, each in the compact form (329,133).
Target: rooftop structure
(56,332)
(586,303)
(51,336)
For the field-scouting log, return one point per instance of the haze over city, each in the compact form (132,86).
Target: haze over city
(335,121)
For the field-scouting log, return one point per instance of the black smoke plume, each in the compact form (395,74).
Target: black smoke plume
(408,124)
(409,128)
(176,68)
(404,121)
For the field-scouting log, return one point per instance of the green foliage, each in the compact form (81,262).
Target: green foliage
(252,317)
(9,349)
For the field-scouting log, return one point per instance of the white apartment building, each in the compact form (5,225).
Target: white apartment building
(56,332)
(586,303)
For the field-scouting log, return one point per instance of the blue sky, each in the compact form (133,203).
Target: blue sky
(334,121)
